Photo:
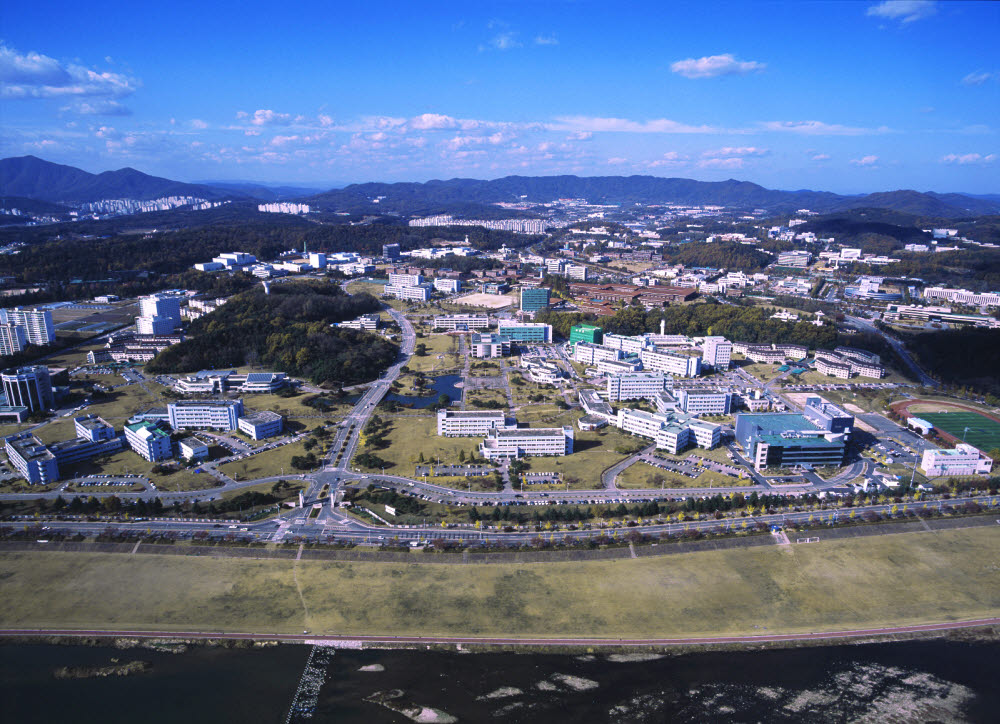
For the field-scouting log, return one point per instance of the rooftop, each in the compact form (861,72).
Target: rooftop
(261,416)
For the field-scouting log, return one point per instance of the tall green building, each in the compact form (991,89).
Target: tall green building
(534,298)
(586,333)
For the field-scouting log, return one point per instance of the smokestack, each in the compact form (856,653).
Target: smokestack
(302,500)
(267,287)
(663,327)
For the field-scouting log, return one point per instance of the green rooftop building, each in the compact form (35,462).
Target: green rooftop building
(586,333)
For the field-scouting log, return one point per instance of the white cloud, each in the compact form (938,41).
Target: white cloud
(712,66)
(432,122)
(283,140)
(821,157)
(32,75)
(623,125)
(728,163)
(98,108)
(979,77)
(969,158)
(580,136)
(906,11)
(729,151)
(325,120)
(198,124)
(506,40)
(865,161)
(670,158)
(616,161)
(267,117)
(546,40)
(818,128)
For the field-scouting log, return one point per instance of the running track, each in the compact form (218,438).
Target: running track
(471,640)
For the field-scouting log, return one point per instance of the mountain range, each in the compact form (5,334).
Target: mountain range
(29,177)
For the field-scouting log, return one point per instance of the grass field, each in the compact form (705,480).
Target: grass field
(983,433)
(127,462)
(440,345)
(864,582)
(408,438)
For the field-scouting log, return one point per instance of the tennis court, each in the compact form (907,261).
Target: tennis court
(983,432)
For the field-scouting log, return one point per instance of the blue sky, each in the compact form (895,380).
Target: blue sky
(841,96)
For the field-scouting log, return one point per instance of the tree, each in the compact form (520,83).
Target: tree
(420,350)
(461,456)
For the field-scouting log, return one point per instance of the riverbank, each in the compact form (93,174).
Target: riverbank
(848,588)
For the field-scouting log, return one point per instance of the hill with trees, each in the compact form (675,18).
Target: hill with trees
(288,330)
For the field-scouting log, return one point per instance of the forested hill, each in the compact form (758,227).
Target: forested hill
(289,331)
(415,198)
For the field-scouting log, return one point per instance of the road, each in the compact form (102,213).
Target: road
(334,639)
(898,346)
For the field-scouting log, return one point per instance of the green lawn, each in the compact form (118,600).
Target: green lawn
(127,462)
(643,475)
(982,432)
(902,579)
(442,354)
(409,437)
(269,463)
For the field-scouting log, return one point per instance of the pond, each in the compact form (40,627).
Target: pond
(443,385)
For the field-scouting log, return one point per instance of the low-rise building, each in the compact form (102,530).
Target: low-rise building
(594,405)
(31,458)
(530,332)
(705,402)
(192,448)
(461,322)
(448,286)
(516,443)
(963,460)
(261,425)
(589,354)
(419,293)
(486,346)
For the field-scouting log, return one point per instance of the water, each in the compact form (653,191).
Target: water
(443,385)
(901,682)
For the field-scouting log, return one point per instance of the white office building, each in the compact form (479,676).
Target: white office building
(420,293)
(675,364)
(405,280)
(618,366)
(588,354)
(469,423)
(149,440)
(670,431)
(199,414)
(963,460)
(261,425)
(317,260)
(628,345)
(635,385)
(448,286)
(461,322)
(516,443)
(698,402)
(486,346)
(717,352)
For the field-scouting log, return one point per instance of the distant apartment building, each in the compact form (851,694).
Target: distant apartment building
(963,460)
(29,387)
(469,423)
(517,443)
(37,323)
(716,352)
(261,425)
(530,332)
(149,440)
(461,322)
(201,414)
(13,339)
(635,385)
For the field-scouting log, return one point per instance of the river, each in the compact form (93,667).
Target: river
(893,682)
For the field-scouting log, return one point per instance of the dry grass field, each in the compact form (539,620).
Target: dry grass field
(852,583)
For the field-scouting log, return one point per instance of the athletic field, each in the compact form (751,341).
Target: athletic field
(983,432)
